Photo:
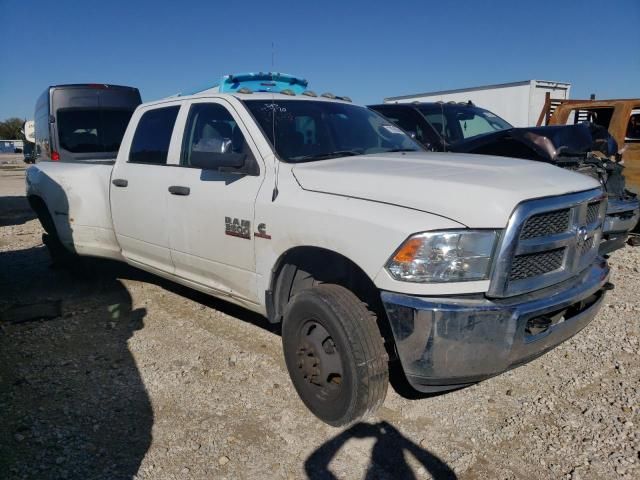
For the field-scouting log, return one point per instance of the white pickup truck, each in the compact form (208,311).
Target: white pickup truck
(320,214)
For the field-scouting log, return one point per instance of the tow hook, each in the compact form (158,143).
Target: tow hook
(538,325)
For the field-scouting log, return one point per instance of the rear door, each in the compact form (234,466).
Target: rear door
(211,212)
(140,186)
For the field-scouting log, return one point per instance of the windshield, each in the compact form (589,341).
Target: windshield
(82,130)
(316,130)
(455,123)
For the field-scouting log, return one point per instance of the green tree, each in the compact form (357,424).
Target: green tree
(10,129)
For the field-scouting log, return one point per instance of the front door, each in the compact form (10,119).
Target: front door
(211,211)
(140,189)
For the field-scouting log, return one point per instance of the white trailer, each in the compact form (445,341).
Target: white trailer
(520,103)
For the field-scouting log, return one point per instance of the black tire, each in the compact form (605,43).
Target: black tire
(329,320)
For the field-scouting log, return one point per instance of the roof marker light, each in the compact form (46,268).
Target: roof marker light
(310,93)
(244,90)
(288,91)
(328,95)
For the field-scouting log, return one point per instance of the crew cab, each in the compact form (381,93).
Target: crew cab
(324,216)
(585,148)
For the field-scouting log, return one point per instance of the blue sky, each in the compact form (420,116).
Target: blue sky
(365,49)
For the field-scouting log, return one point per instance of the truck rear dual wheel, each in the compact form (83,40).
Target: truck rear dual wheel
(335,354)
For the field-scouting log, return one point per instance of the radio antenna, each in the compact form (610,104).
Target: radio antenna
(276,164)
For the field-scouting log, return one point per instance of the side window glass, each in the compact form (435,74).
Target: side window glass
(439,123)
(404,119)
(151,141)
(211,132)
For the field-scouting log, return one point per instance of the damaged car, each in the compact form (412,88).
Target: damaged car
(585,147)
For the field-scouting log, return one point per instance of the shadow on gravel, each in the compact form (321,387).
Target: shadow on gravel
(15,211)
(387,456)
(72,402)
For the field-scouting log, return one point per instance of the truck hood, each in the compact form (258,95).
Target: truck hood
(477,191)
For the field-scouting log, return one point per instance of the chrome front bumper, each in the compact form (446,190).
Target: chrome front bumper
(448,342)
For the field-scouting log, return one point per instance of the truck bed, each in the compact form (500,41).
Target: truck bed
(77,198)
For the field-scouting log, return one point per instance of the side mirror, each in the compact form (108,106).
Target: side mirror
(224,162)
(217,154)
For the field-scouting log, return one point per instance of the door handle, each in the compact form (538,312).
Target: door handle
(120,182)
(178,190)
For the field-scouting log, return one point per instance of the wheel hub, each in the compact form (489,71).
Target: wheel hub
(319,361)
(309,364)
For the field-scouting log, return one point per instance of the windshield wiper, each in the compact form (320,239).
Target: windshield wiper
(325,156)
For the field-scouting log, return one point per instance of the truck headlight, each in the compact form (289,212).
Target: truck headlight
(451,256)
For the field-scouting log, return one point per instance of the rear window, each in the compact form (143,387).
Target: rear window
(82,130)
(153,135)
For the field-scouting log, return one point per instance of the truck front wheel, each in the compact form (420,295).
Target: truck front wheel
(335,354)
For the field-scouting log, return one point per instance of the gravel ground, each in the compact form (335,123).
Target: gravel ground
(133,376)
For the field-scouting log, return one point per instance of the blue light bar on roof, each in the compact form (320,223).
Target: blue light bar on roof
(263,82)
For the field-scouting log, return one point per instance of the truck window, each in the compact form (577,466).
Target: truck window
(633,128)
(153,135)
(92,130)
(407,119)
(599,116)
(459,122)
(474,125)
(212,130)
(438,121)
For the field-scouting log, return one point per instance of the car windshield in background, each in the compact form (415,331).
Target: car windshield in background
(89,131)
(456,123)
(317,130)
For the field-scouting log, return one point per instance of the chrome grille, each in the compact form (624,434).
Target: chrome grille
(547,241)
(592,212)
(547,223)
(534,264)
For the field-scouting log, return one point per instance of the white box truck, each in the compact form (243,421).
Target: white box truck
(520,103)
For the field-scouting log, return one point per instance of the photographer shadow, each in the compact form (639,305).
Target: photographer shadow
(387,456)
(74,404)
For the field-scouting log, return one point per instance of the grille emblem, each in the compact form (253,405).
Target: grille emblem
(582,236)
